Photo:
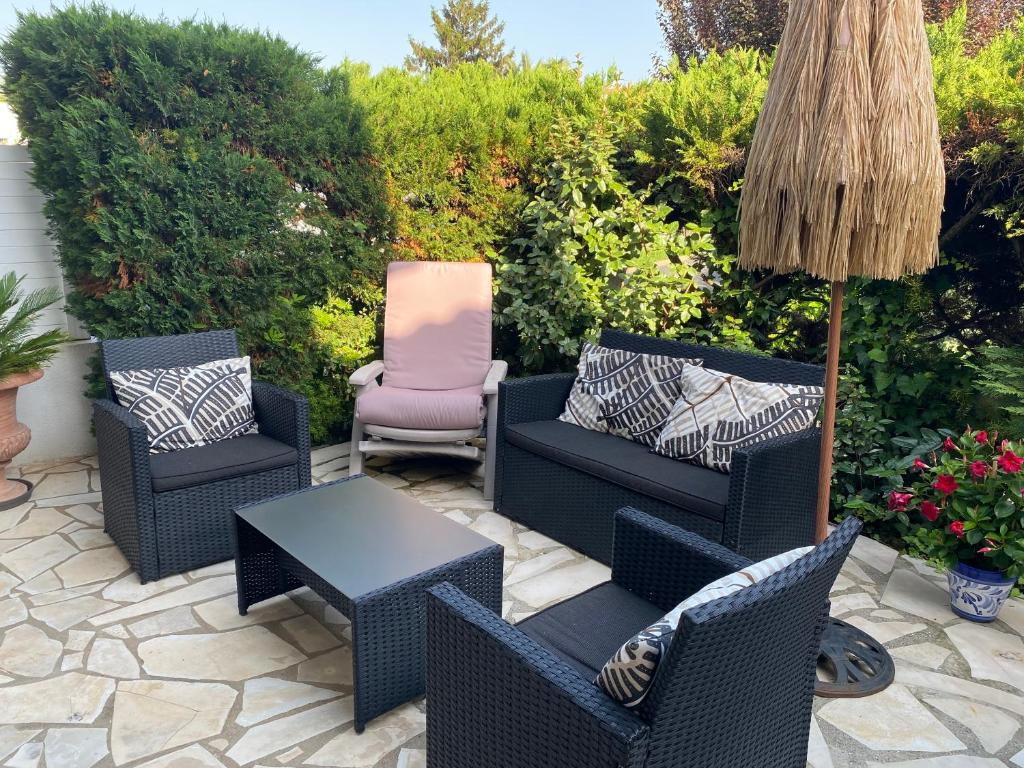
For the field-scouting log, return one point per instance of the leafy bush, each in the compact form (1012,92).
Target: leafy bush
(201,176)
(197,177)
(592,253)
(967,504)
(1000,379)
(461,149)
(21,350)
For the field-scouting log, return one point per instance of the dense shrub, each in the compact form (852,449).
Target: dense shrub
(198,177)
(591,253)
(202,176)
(462,149)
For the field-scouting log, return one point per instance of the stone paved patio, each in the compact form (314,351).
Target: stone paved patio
(98,670)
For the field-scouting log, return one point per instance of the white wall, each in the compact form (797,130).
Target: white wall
(54,408)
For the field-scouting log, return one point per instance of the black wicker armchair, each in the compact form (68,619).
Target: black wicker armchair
(567,482)
(171,512)
(734,689)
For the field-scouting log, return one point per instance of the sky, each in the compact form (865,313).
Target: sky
(623,33)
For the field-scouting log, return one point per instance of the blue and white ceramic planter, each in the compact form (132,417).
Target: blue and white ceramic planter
(977,594)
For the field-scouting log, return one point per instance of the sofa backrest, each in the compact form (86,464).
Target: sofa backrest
(437,325)
(165,352)
(746,364)
(737,683)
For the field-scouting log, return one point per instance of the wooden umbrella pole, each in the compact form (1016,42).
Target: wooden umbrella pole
(828,413)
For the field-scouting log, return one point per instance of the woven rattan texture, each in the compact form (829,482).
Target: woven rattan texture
(745,364)
(165,533)
(498,698)
(388,625)
(737,684)
(772,488)
(734,690)
(165,352)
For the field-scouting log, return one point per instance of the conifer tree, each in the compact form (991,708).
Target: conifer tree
(465,31)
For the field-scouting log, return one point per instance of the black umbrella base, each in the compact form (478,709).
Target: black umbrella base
(21,498)
(852,663)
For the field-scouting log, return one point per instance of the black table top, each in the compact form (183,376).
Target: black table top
(359,535)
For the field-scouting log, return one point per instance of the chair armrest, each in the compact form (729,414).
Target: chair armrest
(284,416)
(495,695)
(773,491)
(122,446)
(662,563)
(496,374)
(367,374)
(537,398)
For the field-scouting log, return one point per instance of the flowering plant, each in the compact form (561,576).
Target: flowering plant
(966,503)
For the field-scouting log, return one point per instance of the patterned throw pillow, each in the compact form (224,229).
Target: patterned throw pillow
(628,674)
(192,406)
(629,394)
(719,413)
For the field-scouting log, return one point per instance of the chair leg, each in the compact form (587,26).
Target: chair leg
(355,457)
(491,448)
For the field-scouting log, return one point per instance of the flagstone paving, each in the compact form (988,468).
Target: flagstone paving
(97,670)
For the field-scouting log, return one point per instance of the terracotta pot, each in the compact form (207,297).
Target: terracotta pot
(14,436)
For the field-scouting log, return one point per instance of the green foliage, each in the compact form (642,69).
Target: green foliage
(466,32)
(698,28)
(965,504)
(1000,379)
(22,351)
(461,149)
(201,176)
(343,341)
(198,176)
(592,253)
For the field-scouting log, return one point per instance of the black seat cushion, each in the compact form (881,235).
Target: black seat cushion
(696,489)
(218,461)
(586,630)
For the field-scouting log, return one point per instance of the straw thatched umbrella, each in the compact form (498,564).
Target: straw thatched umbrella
(845,174)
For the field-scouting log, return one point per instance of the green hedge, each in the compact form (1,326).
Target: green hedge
(203,176)
(200,176)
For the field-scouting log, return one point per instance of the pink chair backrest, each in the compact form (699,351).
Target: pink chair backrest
(437,325)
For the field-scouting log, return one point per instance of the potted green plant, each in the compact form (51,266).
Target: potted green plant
(22,355)
(968,502)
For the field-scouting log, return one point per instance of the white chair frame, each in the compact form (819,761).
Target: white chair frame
(375,439)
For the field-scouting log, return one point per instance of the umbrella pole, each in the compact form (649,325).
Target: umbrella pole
(828,414)
(860,664)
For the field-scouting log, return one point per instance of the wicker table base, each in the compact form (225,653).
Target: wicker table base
(388,622)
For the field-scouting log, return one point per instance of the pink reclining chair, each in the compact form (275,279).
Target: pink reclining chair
(439,381)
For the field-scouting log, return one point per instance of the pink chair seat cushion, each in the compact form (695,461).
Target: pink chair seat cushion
(437,325)
(422,408)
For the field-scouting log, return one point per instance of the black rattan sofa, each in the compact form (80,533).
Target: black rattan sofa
(567,482)
(171,512)
(734,689)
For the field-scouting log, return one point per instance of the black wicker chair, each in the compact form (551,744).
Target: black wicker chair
(567,482)
(734,690)
(171,512)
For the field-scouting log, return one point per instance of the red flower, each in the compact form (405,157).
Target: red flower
(981,438)
(983,550)
(945,484)
(899,500)
(957,529)
(1010,462)
(979,469)
(948,444)
(930,511)
(918,464)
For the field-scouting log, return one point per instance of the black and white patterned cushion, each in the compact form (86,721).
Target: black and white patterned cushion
(719,413)
(191,406)
(629,394)
(628,674)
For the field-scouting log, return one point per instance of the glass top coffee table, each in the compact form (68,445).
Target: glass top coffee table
(370,552)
